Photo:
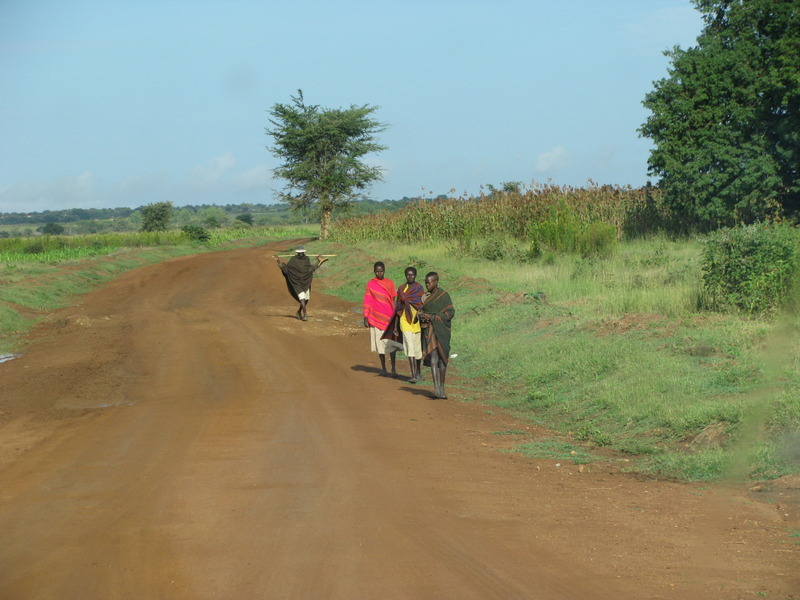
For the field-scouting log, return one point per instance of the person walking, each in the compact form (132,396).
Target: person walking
(436,316)
(409,302)
(379,303)
(299,273)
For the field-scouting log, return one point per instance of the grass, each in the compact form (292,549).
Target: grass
(614,352)
(60,248)
(555,450)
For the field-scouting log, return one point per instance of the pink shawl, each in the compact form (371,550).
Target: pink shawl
(379,300)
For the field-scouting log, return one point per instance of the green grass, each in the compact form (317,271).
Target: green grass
(614,352)
(62,248)
(555,450)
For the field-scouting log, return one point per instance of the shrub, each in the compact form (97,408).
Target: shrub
(196,232)
(597,239)
(492,249)
(564,232)
(52,229)
(559,232)
(752,268)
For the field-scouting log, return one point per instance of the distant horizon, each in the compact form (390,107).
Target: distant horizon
(255,204)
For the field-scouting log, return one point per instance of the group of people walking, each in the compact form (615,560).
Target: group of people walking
(410,317)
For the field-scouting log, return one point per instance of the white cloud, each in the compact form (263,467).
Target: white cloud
(211,171)
(257,178)
(551,161)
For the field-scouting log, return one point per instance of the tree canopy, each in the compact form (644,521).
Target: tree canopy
(157,216)
(52,229)
(726,121)
(322,151)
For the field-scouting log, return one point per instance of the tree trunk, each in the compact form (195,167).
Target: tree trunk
(325,223)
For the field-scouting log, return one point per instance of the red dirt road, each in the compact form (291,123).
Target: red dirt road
(180,435)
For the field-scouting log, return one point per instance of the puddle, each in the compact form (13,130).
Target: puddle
(7,357)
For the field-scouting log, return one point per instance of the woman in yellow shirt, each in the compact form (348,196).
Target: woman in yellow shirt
(409,301)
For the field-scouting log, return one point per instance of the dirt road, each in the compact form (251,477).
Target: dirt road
(180,435)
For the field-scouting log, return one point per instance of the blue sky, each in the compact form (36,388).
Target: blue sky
(111,103)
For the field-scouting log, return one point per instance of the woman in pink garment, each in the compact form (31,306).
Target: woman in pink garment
(379,301)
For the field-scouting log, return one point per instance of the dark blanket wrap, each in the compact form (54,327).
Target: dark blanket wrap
(436,334)
(299,272)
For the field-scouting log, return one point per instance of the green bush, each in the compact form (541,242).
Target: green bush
(564,232)
(751,268)
(559,232)
(196,233)
(52,229)
(36,247)
(597,239)
(493,249)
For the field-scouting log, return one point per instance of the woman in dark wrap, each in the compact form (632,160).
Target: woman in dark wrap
(436,315)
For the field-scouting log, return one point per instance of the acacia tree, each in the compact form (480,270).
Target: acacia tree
(321,150)
(726,122)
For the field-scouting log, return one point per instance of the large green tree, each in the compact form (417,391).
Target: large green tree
(726,121)
(322,151)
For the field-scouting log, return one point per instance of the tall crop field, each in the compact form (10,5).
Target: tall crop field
(509,213)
